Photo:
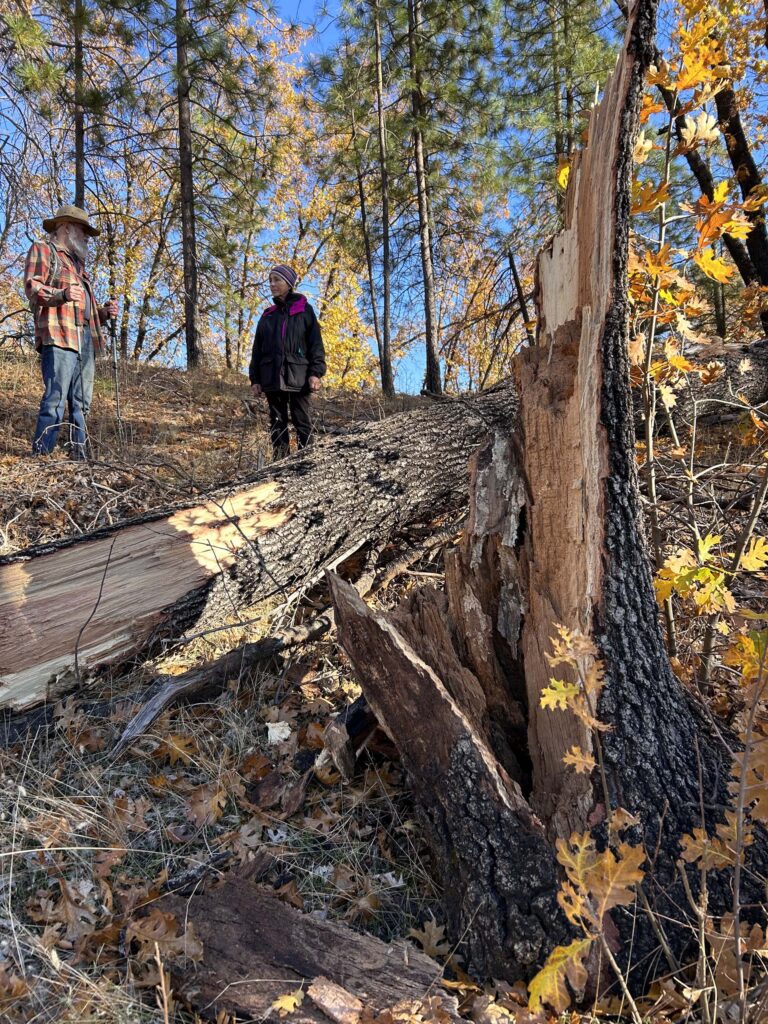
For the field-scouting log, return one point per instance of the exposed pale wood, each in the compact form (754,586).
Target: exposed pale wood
(256,948)
(565,446)
(102,601)
(497,868)
(580,560)
(584,558)
(104,598)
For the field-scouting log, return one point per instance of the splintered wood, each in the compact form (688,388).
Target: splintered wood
(88,604)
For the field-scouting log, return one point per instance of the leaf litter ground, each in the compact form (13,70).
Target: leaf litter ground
(90,842)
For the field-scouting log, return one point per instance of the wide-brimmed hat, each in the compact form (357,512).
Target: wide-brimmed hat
(71,215)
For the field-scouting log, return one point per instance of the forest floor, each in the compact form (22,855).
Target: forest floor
(90,841)
(216,785)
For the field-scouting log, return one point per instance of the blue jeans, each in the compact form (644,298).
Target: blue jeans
(68,378)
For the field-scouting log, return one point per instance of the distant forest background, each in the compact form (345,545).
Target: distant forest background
(409,160)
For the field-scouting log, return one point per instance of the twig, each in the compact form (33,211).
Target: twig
(741,547)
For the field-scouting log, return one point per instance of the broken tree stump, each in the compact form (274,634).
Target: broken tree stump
(574,556)
(498,871)
(73,607)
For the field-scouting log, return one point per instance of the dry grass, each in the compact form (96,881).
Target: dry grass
(179,435)
(88,842)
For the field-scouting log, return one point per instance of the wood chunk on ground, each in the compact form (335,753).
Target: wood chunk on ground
(257,948)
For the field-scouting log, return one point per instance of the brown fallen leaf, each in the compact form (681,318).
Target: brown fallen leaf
(205,804)
(162,930)
(431,938)
(177,748)
(293,795)
(267,792)
(255,766)
(70,910)
(129,814)
(12,990)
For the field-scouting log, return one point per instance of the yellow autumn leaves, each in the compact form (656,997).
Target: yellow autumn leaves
(702,577)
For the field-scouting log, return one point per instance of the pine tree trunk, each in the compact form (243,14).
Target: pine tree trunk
(432,379)
(103,598)
(385,355)
(365,227)
(78,23)
(186,181)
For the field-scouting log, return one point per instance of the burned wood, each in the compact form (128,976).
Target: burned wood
(345,735)
(484,835)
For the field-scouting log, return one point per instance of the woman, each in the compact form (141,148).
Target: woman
(288,360)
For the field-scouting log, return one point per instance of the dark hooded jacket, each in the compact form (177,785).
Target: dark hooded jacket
(288,348)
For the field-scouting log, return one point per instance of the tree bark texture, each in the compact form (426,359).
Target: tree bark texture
(258,948)
(462,697)
(432,379)
(747,175)
(703,175)
(385,355)
(743,374)
(186,181)
(72,607)
(78,25)
(441,675)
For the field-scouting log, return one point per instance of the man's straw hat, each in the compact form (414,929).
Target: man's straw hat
(71,215)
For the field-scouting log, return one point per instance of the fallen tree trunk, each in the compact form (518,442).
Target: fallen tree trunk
(738,372)
(71,608)
(256,948)
(462,699)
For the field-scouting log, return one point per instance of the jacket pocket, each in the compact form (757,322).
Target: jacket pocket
(295,371)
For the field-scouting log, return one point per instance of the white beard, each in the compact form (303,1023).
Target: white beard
(76,244)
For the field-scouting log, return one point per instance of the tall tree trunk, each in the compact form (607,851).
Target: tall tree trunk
(186,181)
(747,175)
(557,96)
(228,347)
(79,28)
(385,354)
(432,379)
(737,250)
(129,266)
(243,289)
(568,62)
(166,215)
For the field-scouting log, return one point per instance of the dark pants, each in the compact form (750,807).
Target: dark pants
(280,404)
(68,379)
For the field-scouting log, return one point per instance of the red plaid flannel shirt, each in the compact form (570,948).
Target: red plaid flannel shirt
(57,321)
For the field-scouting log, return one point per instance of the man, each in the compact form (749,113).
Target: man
(67,326)
(288,360)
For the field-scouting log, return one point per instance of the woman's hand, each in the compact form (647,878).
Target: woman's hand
(314,383)
(257,390)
